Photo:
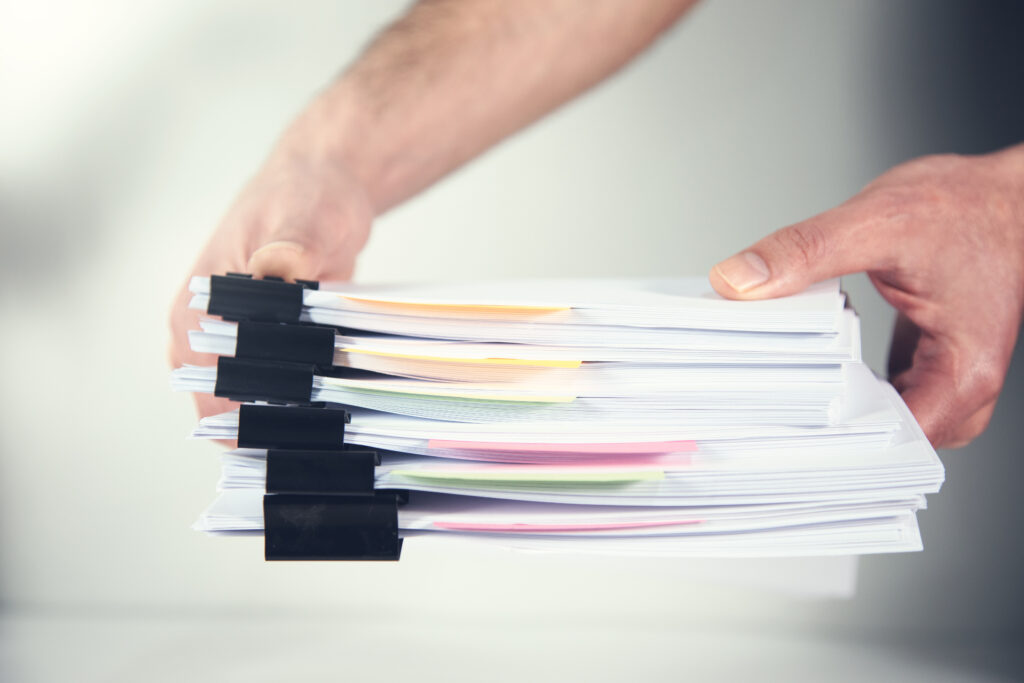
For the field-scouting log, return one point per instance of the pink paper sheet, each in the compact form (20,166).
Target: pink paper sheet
(630,448)
(557,528)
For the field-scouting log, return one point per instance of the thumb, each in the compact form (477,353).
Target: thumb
(793,258)
(287,259)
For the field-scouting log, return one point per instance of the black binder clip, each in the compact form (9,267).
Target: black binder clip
(243,379)
(321,505)
(308,284)
(331,527)
(291,427)
(292,343)
(237,297)
(348,471)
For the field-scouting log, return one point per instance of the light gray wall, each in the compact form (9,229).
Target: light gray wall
(126,132)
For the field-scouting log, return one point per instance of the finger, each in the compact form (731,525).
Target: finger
(972,427)
(929,398)
(316,230)
(287,259)
(949,391)
(838,242)
(905,336)
(930,389)
(208,404)
(180,353)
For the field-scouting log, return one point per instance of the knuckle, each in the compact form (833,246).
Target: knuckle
(984,380)
(944,161)
(893,205)
(958,442)
(925,187)
(929,165)
(980,424)
(901,208)
(970,431)
(806,243)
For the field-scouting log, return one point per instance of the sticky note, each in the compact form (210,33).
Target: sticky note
(459,306)
(630,448)
(535,475)
(557,528)
(470,361)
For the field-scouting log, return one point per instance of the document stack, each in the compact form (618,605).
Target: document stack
(642,417)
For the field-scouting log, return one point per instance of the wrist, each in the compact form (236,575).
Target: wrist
(1006,205)
(1011,162)
(332,135)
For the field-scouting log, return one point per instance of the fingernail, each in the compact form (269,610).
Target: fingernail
(744,271)
(280,244)
(275,256)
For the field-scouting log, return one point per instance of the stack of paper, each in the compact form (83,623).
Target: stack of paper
(613,416)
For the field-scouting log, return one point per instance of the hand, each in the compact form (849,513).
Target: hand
(433,90)
(942,239)
(299,217)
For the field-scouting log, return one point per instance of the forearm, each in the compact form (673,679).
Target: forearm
(453,77)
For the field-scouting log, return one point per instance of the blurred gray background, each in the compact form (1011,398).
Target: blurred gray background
(127,127)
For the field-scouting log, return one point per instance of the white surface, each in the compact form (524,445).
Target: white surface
(428,648)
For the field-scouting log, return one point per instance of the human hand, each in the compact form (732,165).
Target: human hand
(299,217)
(942,239)
(436,88)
